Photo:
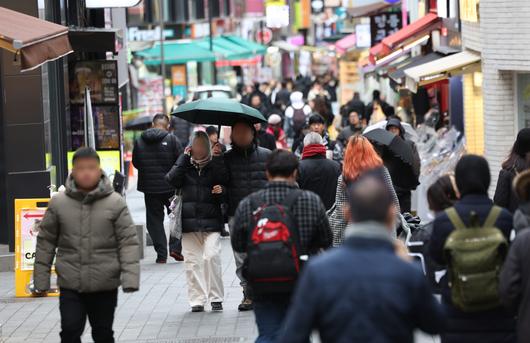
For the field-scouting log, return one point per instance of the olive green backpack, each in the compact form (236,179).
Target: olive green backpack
(475,255)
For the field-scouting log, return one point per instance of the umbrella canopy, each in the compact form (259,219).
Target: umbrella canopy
(398,157)
(410,133)
(139,123)
(218,111)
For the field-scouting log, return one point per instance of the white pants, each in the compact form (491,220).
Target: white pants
(202,257)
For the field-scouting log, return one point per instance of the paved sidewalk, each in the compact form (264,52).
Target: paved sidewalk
(159,312)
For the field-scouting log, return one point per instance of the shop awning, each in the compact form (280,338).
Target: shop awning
(442,68)
(346,43)
(368,10)
(226,49)
(177,52)
(285,46)
(398,74)
(416,33)
(36,41)
(253,47)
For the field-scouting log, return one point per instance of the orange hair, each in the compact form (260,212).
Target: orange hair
(360,156)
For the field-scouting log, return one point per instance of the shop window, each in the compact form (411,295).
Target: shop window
(523,100)
(226,7)
(216,8)
(180,10)
(198,9)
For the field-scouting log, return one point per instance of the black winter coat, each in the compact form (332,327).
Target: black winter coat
(266,140)
(154,153)
(492,326)
(182,129)
(515,283)
(201,210)
(504,195)
(246,169)
(320,175)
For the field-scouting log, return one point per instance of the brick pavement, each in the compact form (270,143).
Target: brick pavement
(159,312)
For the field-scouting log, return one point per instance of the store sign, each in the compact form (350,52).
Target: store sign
(277,16)
(264,36)
(179,80)
(363,36)
(110,3)
(523,100)
(148,35)
(384,24)
(469,10)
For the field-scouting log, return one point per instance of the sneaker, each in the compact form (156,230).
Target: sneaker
(177,256)
(160,260)
(246,304)
(217,306)
(198,308)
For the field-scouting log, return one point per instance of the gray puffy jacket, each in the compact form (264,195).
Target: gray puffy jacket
(97,247)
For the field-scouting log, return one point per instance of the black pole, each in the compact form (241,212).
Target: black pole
(162,56)
(210,20)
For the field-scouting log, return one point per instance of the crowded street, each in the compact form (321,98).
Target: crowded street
(276,171)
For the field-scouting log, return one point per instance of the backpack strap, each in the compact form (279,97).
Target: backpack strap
(291,198)
(455,218)
(494,214)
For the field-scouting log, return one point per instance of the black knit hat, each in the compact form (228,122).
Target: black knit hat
(522,144)
(472,174)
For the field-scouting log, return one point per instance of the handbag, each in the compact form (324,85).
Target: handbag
(175,216)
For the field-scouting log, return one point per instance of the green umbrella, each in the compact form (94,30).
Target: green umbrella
(218,111)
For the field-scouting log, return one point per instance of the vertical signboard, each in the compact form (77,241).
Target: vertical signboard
(28,216)
(384,24)
(179,80)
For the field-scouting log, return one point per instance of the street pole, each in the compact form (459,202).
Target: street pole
(162,59)
(210,22)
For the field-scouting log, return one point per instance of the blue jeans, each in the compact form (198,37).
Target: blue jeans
(269,318)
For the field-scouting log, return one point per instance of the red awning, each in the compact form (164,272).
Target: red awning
(425,24)
(390,44)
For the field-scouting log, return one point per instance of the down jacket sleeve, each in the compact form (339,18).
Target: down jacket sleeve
(175,176)
(511,279)
(503,189)
(46,245)
(128,248)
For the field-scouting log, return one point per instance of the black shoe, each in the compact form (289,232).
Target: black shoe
(198,308)
(246,304)
(160,260)
(217,306)
(225,233)
(177,256)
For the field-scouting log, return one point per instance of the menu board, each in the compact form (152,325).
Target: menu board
(101,77)
(106,127)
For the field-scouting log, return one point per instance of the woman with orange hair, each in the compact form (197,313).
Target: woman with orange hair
(360,157)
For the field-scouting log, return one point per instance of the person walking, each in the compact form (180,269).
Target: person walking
(394,126)
(246,168)
(296,116)
(516,162)
(275,129)
(354,105)
(360,157)
(89,232)
(521,185)
(201,176)
(316,124)
(515,275)
(304,220)
(264,138)
(487,322)
(154,153)
(352,293)
(317,173)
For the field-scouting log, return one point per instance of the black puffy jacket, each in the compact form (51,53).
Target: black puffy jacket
(201,210)
(155,152)
(320,175)
(246,168)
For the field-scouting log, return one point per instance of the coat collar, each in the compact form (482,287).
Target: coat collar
(280,184)
(369,230)
(103,189)
(475,199)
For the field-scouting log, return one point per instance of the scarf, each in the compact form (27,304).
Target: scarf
(313,150)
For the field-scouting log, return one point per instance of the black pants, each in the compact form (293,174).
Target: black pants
(98,306)
(154,207)
(404,197)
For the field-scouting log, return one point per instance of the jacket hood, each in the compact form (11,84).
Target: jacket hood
(153,135)
(521,217)
(103,189)
(396,123)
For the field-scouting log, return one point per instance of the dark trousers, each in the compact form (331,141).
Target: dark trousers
(154,208)
(404,197)
(269,317)
(98,306)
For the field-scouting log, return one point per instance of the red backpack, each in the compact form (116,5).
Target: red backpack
(273,254)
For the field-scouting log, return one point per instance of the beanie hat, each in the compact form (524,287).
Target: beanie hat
(472,174)
(522,144)
(274,119)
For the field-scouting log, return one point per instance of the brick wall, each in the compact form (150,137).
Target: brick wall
(502,38)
